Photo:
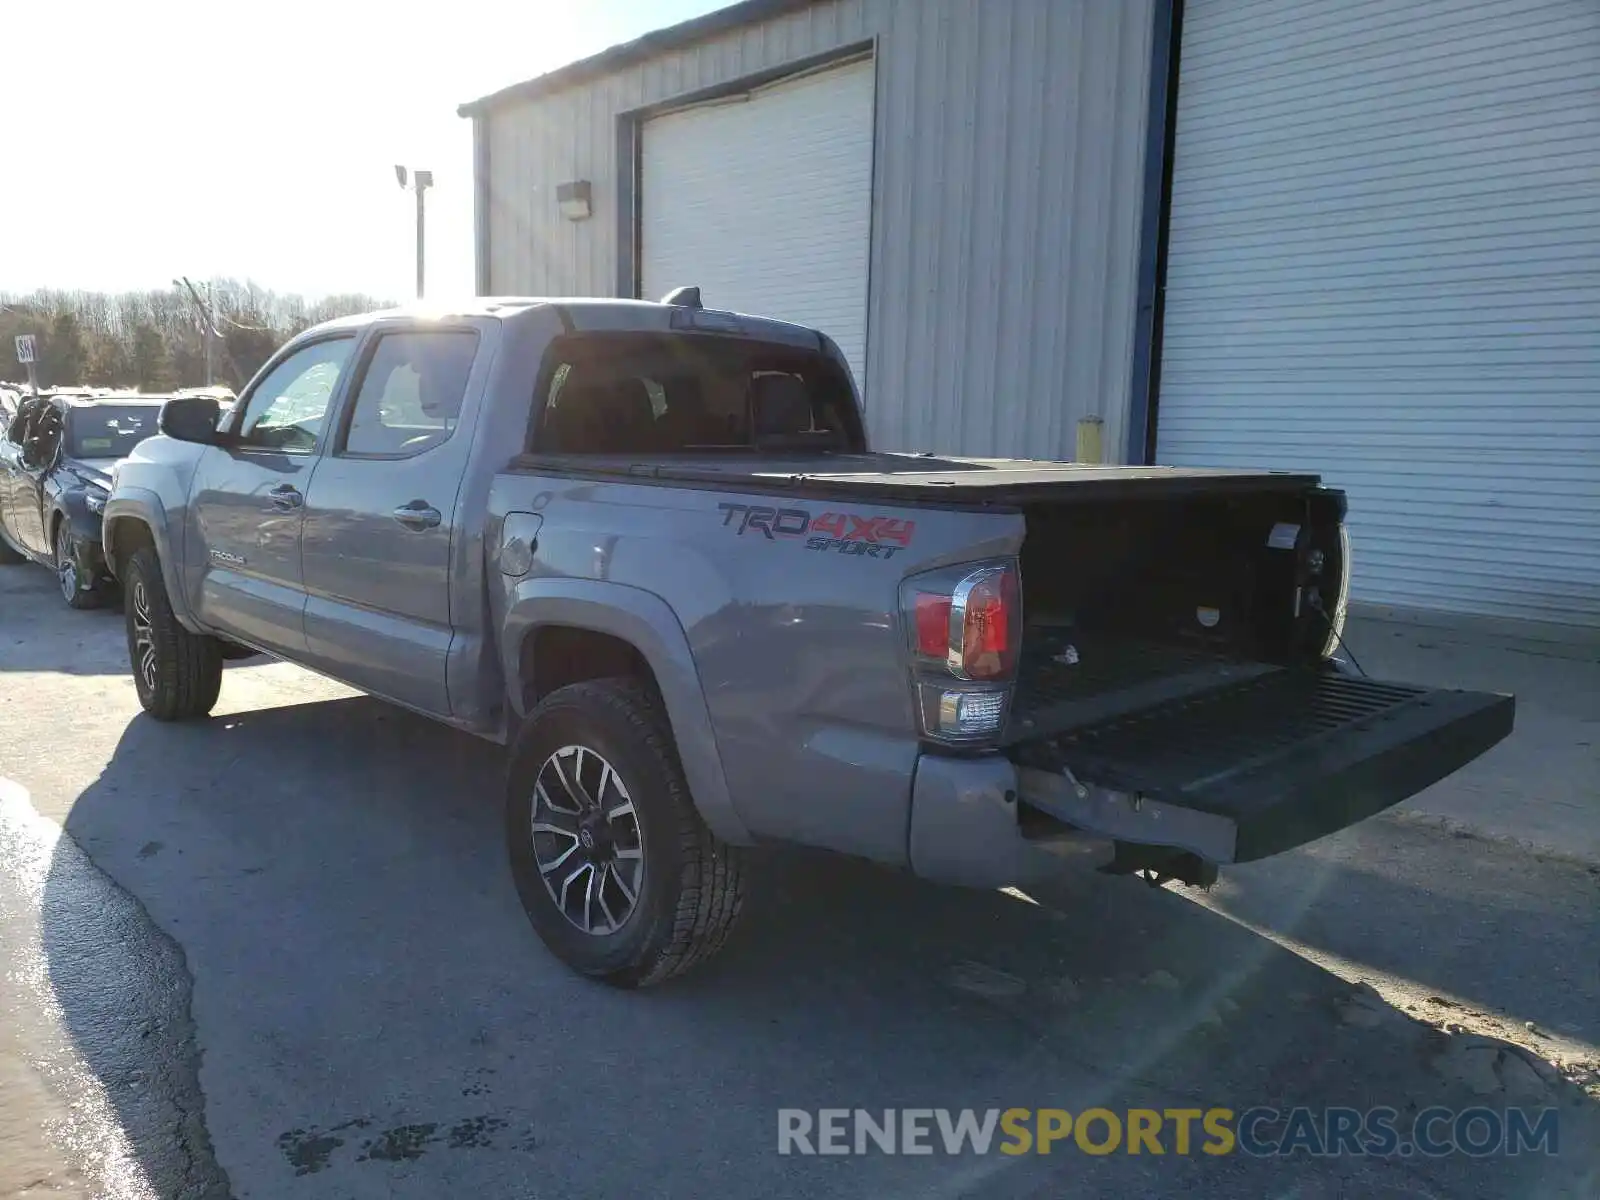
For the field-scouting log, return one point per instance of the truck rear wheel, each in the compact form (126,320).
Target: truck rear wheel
(177,673)
(619,876)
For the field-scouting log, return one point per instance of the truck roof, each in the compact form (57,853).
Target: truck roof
(589,314)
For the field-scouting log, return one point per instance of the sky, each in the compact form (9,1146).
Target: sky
(258,141)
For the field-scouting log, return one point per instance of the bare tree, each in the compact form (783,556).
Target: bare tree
(156,339)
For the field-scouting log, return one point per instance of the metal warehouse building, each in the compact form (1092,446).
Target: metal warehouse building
(1360,237)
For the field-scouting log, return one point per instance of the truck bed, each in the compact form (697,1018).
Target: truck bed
(898,478)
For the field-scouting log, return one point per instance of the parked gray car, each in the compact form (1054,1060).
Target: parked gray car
(648,547)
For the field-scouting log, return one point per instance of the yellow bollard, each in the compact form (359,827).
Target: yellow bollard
(1091,448)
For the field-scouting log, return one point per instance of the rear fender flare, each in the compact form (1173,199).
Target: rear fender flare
(646,622)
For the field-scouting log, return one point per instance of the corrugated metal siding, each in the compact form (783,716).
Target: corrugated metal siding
(1385,266)
(1005,230)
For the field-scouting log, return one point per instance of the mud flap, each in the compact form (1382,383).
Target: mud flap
(1260,766)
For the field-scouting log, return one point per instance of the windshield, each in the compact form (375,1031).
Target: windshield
(109,430)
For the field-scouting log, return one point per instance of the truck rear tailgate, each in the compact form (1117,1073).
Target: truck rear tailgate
(1257,766)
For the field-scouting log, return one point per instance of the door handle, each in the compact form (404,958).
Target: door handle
(418,515)
(286,496)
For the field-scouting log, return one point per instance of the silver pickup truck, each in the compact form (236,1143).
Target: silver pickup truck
(647,546)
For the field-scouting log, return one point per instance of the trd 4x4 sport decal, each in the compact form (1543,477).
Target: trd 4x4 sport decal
(842,532)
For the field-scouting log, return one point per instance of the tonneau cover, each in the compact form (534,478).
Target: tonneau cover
(896,477)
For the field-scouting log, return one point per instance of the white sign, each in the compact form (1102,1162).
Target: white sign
(24,348)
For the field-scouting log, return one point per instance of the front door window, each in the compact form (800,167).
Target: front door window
(289,408)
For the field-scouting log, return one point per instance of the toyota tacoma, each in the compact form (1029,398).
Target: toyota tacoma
(648,547)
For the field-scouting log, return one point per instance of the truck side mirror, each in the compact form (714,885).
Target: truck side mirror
(191,419)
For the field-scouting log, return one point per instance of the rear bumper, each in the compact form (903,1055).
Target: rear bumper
(966,827)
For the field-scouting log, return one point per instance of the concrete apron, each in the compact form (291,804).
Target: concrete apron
(1540,788)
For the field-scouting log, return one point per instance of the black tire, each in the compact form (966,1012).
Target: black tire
(182,678)
(10,556)
(692,884)
(68,575)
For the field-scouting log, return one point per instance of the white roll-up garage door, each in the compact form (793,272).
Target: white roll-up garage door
(1384,265)
(765,202)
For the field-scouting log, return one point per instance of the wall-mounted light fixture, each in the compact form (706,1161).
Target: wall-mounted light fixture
(574,200)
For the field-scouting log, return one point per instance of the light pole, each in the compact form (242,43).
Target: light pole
(207,312)
(421,181)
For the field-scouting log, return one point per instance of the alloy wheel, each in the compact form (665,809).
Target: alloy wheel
(66,563)
(144,642)
(587,840)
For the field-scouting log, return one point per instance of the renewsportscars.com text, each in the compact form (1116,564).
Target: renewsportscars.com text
(1258,1131)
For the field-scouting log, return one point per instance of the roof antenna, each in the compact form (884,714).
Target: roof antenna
(683,297)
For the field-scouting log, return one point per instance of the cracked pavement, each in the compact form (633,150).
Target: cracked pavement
(278,954)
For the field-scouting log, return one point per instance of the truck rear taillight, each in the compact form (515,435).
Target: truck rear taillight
(967,620)
(965,625)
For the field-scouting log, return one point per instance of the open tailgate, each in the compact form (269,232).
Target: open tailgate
(1257,766)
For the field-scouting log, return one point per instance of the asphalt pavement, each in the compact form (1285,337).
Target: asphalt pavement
(277,953)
